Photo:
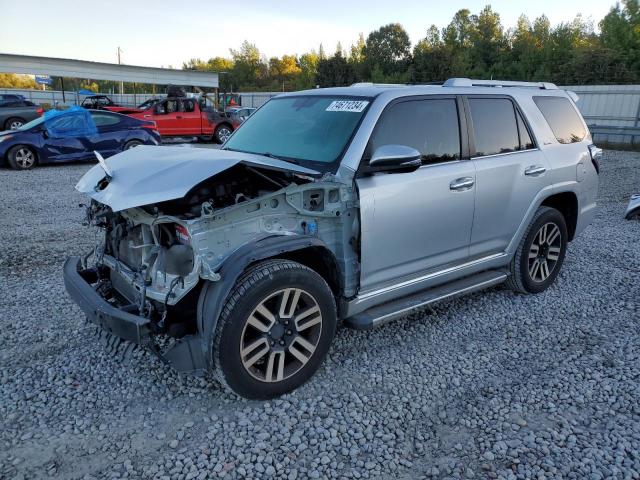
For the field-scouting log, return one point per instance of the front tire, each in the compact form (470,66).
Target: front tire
(22,157)
(222,133)
(275,329)
(540,254)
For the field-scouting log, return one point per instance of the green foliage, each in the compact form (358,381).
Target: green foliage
(471,45)
(335,71)
(388,50)
(620,32)
(11,80)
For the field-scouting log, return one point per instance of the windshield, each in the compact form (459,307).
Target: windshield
(31,124)
(303,128)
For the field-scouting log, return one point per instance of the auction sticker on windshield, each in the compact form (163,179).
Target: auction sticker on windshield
(356,106)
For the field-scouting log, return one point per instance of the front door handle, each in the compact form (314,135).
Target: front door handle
(461,184)
(535,170)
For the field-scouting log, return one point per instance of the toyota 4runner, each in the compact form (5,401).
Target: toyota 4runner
(352,205)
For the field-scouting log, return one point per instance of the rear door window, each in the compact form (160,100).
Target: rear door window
(187,106)
(495,127)
(430,126)
(104,120)
(562,117)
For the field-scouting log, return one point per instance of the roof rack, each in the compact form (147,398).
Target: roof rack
(467,82)
(371,84)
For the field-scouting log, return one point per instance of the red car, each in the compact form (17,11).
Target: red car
(182,117)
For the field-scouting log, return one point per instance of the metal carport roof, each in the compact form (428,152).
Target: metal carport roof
(65,67)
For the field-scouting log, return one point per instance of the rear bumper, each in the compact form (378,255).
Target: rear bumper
(116,321)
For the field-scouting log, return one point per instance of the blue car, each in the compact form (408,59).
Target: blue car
(73,135)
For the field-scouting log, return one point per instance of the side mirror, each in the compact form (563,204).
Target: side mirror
(391,157)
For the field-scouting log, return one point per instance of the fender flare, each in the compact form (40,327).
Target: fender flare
(213,294)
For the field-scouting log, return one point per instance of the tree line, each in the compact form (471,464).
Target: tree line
(471,45)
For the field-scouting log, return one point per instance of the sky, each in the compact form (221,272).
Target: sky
(161,34)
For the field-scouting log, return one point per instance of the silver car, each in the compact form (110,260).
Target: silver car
(334,206)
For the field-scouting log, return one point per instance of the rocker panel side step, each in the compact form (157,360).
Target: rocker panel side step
(381,314)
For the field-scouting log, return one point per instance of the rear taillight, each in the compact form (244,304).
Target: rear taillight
(39,111)
(150,125)
(596,154)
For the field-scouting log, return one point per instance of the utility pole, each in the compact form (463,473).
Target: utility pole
(120,63)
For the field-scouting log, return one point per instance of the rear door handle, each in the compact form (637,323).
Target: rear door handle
(461,184)
(535,170)
(178,116)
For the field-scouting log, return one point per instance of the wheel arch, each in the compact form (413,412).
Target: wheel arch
(133,138)
(307,250)
(567,204)
(224,124)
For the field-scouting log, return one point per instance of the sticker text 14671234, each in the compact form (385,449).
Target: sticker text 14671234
(355,106)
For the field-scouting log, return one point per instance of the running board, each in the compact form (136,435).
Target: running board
(376,316)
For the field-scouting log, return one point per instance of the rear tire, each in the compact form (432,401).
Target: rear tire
(540,254)
(22,157)
(131,144)
(275,329)
(13,123)
(222,133)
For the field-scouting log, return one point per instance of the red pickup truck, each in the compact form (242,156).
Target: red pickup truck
(186,117)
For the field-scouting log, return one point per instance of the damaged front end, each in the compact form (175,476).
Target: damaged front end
(154,259)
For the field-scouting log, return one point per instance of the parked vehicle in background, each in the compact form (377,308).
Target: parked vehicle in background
(15,113)
(186,117)
(69,137)
(239,115)
(102,102)
(357,204)
(4,97)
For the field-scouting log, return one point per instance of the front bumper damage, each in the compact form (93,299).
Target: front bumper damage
(122,323)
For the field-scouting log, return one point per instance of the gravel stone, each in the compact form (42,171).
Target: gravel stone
(493,385)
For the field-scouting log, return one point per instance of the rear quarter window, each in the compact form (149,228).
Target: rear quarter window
(562,117)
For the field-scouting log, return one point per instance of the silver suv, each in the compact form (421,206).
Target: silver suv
(351,205)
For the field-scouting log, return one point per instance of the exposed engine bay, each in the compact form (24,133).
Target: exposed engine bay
(153,256)
(231,187)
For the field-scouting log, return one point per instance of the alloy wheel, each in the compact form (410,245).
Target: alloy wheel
(15,125)
(544,252)
(280,335)
(223,134)
(25,158)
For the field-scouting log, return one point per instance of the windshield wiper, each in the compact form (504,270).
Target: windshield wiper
(276,157)
(266,154)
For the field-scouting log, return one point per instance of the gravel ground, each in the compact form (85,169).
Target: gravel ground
(494,385)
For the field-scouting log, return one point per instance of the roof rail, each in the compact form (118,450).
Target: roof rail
(467,82)
(371,84)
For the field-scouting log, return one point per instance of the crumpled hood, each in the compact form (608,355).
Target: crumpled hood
(150,174)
